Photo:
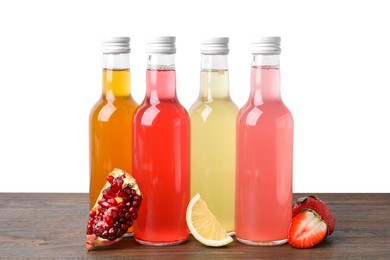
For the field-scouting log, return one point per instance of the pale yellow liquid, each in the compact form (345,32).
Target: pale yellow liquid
(213,133)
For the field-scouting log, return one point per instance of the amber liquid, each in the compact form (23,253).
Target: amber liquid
(110,130)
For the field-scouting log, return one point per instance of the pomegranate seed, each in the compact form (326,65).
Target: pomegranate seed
(109,191)
(112,202)
(107,195)
(121,207)
(115,188)
(121,194)
(99,223)
(127,216)
(127,190)
(98,233)
(119,182)
(135,215)
(105,204)
(113,213)
(108,220)
(110,178)
(92,213)
(132,210)
(89,229)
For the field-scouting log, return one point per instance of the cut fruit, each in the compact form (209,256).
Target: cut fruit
(115,210)
(203,224)
(314,203)
(307,229)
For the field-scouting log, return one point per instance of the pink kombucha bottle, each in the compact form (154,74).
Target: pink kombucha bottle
(161,151)
(264,153)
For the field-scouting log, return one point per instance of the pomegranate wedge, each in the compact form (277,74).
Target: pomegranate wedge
(115,210)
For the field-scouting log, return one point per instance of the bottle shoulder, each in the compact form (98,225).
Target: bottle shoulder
(276,110)
(217,114)
(227,106)
(125,101)
(165,110)
(265,106)
(105,109)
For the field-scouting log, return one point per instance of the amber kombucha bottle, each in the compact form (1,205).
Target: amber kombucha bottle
(110,121)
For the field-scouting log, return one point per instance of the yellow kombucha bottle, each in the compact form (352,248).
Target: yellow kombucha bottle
(213,133)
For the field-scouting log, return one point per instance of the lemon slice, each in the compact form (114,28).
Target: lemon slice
(203,224)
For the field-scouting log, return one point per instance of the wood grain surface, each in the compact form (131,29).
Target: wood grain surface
(52,226)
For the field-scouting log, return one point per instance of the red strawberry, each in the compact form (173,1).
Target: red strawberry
(312,202)
(307,229)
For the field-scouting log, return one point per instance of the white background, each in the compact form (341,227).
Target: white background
(335,80)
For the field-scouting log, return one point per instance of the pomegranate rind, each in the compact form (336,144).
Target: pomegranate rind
(94,241)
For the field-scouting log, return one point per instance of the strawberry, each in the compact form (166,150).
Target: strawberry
(306,229)
(312,202)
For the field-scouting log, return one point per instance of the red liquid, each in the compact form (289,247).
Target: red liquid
(161,162)
(264,163)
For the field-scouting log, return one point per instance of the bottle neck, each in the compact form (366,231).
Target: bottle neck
(116,75)
(265,78)
(160,78)
(214,77)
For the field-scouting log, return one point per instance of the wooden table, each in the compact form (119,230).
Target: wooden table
(47,225)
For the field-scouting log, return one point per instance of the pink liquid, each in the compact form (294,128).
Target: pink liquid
(264,162)
(161,162)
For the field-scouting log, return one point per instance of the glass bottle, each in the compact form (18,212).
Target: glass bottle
(110,120)
(213,133)
(264,153)
(161,141)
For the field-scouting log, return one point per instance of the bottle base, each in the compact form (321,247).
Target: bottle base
(262,243)
(156,243)
(231,233)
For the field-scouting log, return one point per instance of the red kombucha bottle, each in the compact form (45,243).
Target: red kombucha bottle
(161,151)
